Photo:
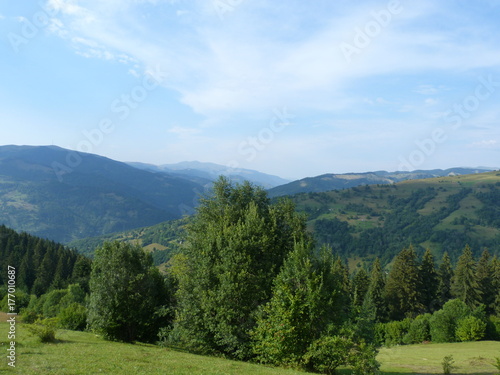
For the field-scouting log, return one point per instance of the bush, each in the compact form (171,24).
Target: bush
(448,364)
(470,329)
(419,330)
(363,360)
(51,305)
(379,334)
(396,331)
(29,316)
(493,328)
(44,329)
(73,317)
(327,353)
(443,323)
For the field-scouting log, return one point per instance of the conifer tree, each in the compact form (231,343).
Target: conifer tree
(360,284)
(403,298)
(495,265)
(464,283)
(428,282)
(484,276)
(445,275)
(376,291)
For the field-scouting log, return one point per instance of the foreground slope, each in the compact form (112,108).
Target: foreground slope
(83,353)
(63,195)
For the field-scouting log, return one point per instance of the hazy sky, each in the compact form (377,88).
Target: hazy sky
(294,88)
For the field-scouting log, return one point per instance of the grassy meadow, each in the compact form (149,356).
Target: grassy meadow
(83,353)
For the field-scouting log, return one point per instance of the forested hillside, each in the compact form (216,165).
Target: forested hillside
(64,195)
(441,213)
(40,264)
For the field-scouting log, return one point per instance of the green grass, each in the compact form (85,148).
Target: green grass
(83,353)
(470,358)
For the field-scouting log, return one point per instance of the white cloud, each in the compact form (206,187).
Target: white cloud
(490,143)
(183,132)
(247,62)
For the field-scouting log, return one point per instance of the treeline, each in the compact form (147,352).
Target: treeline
(41,265)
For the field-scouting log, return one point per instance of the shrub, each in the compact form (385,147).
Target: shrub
(44,329)
(51,305)
(448,364)
(443,323)
(327,353)
(379,334)
(363,360)
(493,328)
(396,331)
(470,329)
(419,330)
(497,364)
(73,317)
(29,316)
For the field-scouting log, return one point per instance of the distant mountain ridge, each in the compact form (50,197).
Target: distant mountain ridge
(209,172)
(331,181)
(95,197)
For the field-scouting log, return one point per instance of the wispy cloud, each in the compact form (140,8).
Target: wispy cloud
(490,143)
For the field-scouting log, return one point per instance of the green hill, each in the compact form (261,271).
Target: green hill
(443,213)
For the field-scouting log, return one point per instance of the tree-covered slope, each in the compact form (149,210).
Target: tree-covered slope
(439,213)
(379,220)
(63,195)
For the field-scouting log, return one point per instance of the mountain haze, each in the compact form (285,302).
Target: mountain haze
(63,195)
(209,172)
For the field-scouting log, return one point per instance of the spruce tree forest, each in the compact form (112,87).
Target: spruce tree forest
(251,283)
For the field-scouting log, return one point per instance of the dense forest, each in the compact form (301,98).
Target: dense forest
(249,282)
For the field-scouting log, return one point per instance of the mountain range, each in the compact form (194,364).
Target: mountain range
(441,213)
(327,182)
(65,195)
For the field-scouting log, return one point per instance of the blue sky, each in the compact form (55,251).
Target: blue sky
(291,88)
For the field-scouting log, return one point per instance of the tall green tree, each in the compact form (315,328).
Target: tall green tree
(428,282)
(360,284)
(495,266)
(484,276)
(445,275)
(234,248)
(376,291)
(127,294)
(402,287)
(464,283)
